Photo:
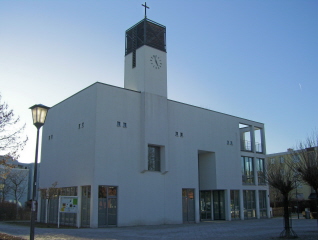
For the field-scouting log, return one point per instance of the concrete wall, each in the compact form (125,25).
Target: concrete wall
(102,153)
(68,141)
(144,77)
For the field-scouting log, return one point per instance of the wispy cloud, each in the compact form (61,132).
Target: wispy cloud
(300,87)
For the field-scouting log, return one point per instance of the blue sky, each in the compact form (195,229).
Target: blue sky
(252,59)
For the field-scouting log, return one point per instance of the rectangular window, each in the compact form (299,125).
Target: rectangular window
(260,170)
(258,132)
(235,204)
(153,158)
(247,170)
(281,159)
(296,158)
(249,204)
(262,203)
(272,160)
(134,59)
(245,136)
(51,209)
(85,208)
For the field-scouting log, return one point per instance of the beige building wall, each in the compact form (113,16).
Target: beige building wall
(303,190)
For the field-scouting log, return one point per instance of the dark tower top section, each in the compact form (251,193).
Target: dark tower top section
(146,32)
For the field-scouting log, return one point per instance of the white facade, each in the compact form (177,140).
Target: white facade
(99,138)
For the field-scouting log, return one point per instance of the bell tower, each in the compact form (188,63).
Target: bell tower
(145,58)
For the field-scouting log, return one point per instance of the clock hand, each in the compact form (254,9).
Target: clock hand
(156,61)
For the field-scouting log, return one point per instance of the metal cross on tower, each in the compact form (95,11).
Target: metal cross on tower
(145,6)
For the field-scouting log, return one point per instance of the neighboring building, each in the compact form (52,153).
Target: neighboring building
(19,172)
(302,192)
(134,157)
(30,166)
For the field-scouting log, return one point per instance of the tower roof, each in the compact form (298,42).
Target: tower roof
(146,32)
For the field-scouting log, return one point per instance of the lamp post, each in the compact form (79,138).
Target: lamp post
(39,113)
(297,198)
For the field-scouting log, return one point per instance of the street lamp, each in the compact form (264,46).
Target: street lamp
(39,113)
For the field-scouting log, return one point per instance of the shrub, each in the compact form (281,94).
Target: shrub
(7,211)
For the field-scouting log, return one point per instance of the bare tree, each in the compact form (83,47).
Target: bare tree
(305,163)
(18,181)
(275,196)
(282,177)
(11,139)
(49,194)
(4,186)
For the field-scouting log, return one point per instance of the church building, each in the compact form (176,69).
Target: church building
(134,157)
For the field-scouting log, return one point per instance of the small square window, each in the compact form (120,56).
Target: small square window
(281,159)
(124,125)
(118,124)
(181,134)
(177,134)
(272,160)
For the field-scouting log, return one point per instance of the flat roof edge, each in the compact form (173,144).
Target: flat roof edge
(105,84)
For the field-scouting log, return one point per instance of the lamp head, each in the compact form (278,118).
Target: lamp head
(39,113)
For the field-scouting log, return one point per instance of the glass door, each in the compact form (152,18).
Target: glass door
(249,204)
(235,204)
(205,205)
(107,206)
(218,205)
(188,211)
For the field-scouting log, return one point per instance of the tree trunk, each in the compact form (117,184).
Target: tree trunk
(286,216)
(316,190)
(16,207)
(288,231)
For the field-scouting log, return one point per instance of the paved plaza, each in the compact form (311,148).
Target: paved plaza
(247,230)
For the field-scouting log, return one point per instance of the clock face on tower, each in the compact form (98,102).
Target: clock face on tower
(155,61)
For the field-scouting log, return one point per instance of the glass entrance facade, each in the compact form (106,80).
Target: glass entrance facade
(212,205)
